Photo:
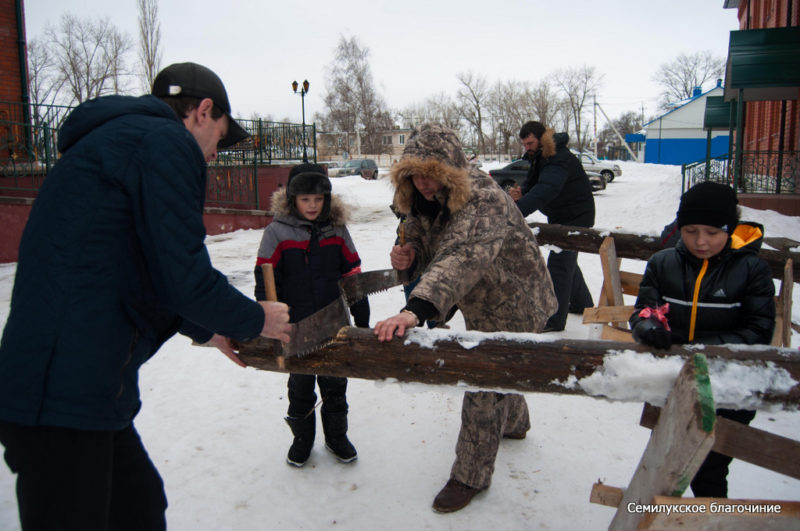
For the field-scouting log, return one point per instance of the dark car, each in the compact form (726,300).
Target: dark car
(367,168)
(514,174)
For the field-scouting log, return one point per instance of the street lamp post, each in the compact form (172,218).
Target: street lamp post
(303,92)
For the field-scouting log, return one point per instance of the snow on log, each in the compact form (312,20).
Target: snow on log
(636,246)
(742,376)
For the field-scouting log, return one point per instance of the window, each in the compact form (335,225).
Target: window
(387,140)
(402,139)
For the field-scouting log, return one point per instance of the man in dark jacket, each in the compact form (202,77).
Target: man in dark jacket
(558,186)
(112,264)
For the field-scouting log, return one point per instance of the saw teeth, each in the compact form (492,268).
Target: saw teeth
(313,349)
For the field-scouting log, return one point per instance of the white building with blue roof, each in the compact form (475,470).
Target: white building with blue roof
(678,137)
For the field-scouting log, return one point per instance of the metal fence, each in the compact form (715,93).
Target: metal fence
(28,142)
(271,141)
(761,172)
(28,150)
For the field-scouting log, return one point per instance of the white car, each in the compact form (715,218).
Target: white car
(591,163)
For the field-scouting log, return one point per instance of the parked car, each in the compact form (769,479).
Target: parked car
(367,168)
(591,163)
(514,174)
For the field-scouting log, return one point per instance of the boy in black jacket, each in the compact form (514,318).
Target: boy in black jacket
(711,288)
(310,250)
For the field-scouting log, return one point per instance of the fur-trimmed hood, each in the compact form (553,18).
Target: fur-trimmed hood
(548,143)
(340,212)
(433,151)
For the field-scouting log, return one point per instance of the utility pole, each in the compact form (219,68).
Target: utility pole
(595,125)
(621,138)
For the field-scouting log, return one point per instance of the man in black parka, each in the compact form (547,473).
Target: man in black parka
(112,264)
(558,186)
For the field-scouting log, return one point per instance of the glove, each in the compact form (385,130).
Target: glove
(657,336)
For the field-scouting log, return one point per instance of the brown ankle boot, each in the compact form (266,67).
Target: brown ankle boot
(454,496)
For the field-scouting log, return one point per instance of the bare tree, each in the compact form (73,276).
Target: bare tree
(578,85)
(679,77)
(542,103)
(89,57)
(149,42)
(472,98)
(352,102)
(44,82)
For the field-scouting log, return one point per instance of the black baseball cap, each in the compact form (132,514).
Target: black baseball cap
(197,81)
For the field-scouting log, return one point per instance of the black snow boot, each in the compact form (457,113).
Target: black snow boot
(304,429)
(335,427)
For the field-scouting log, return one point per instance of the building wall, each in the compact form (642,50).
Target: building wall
(763,119)
(682,150)
(10,78)
(678,136)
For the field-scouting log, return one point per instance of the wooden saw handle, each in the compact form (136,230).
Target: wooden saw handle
(269,282)
(272,295)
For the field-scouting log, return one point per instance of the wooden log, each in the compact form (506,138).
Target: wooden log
(681,440)
(740,441)
(637,246)
(524,362)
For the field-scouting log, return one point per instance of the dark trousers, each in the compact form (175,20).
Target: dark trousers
(302,397)
(711,480)
(83,480)
(571,291)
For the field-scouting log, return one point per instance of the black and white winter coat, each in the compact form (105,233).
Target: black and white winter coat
(308,258)
(735,299)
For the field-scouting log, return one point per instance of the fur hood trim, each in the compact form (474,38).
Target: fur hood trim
(456,182)
(548,143)
(340,212)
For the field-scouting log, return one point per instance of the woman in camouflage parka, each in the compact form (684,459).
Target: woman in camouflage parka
(473,251)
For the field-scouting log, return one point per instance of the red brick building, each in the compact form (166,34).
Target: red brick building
(764,120)
(13,63)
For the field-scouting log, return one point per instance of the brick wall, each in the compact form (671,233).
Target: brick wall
(10,81)
(763,118)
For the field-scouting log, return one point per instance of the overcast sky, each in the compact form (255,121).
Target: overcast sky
(417,47)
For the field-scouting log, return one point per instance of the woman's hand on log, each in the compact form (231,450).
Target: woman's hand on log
(395,325)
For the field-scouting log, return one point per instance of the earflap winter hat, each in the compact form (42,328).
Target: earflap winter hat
(711,204)
(197,81)
(309,179)
(435,141)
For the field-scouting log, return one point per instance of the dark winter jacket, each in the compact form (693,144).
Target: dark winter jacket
(472,246)
(557,184)
(735,302)
(308,259)
(112,264)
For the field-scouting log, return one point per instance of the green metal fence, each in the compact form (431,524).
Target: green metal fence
(28,142)
(272,141)
(761,172)
(28,151)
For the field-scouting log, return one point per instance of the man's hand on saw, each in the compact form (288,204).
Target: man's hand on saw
(276,321)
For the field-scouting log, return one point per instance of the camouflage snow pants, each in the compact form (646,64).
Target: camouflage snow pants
(485,417)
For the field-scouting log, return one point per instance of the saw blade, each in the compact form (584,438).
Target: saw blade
(318,329)
(356,287)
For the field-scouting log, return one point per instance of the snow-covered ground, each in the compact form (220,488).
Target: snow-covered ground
(217,435)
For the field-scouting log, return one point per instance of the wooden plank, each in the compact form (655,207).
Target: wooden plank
(740,441)
(630,282)
(525,362)
(637,246)
(612,333)
(723,513)
(606,495)
(612,285)
(607,314)
(680,441)
(787,286)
